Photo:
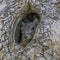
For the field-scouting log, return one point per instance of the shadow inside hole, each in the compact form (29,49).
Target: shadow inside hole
(25,28)
(30,17)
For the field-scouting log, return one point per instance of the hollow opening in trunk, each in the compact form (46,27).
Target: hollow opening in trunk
(25,28)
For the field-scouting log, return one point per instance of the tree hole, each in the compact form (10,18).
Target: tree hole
(25,28)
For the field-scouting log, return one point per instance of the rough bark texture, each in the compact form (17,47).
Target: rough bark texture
(45,45)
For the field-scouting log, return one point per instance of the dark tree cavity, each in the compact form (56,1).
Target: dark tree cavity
(32,15)
(28,18)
